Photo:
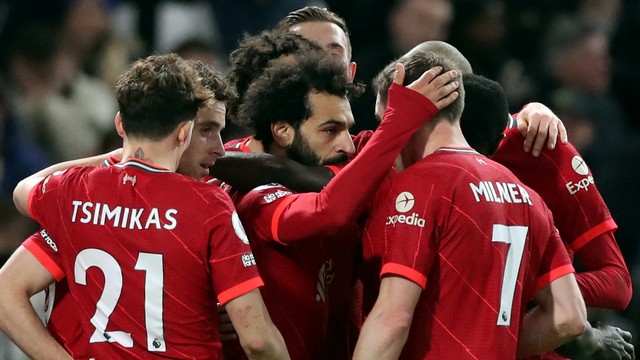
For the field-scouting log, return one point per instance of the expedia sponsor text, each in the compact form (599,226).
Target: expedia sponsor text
(412,219)
(583,183)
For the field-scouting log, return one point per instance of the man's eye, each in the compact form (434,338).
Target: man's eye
(331,131)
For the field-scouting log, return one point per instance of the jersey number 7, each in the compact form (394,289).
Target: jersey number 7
(516,237)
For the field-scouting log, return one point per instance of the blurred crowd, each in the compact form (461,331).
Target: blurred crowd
(59,60)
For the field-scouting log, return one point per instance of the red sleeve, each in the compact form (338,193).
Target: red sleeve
(566,185)
(43,198)
(347,195)
(555,261)
(605,281)
(411,250)
(233,267)
(45,250)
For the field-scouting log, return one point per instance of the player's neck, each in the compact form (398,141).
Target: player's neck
(255,145)
(430,138)
(445,134)
(159,153)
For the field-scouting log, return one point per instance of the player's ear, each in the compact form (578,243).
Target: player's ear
(283,133)
(119,126)
(184,132)
(352,70)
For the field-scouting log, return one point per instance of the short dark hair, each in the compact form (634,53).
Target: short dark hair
(252,57)
(315,13)
(486,113)
(416,63)
(282,92)
(157,94)
(214,82)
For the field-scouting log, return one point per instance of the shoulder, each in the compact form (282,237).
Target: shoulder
(237,145)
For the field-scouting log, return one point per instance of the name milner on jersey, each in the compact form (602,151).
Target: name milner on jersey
(500,192)
(123,217)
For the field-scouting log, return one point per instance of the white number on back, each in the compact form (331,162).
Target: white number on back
(150,263)
(515,236)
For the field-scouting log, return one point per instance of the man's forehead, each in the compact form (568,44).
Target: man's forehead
(319,31)
(212,114)
(331,107)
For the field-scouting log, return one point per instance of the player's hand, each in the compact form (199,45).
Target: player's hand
(538,124)
(437,87)
(602,342)
(225,326)
(616,344)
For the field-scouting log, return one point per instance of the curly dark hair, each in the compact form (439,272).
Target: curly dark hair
(421,59)
(157,94)
(252,57)
(282,92)
(214,82)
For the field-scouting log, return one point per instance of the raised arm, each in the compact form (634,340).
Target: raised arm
(348,194)
(22,190)
(21,277)
(258,336)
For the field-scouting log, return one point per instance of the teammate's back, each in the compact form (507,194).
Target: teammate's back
(488,241)
(165,245)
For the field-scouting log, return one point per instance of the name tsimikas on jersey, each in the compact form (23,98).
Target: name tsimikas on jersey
(500,192)
(48,240)
(123,217)
(583,183)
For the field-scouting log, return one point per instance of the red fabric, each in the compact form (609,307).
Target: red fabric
(580,214)
(307,264)
(455,217)
(166,225)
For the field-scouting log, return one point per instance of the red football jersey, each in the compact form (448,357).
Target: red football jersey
(565,182)
(372,248)
(305,243)
(478,242)
(308,279)
(143,264)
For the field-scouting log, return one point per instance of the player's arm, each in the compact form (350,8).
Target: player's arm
(341,200)
(602,342)
(538,124)
(265,169)
(258,336)
(21,277)
(386,329)
(605,281)
(22,190)
(559,316)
